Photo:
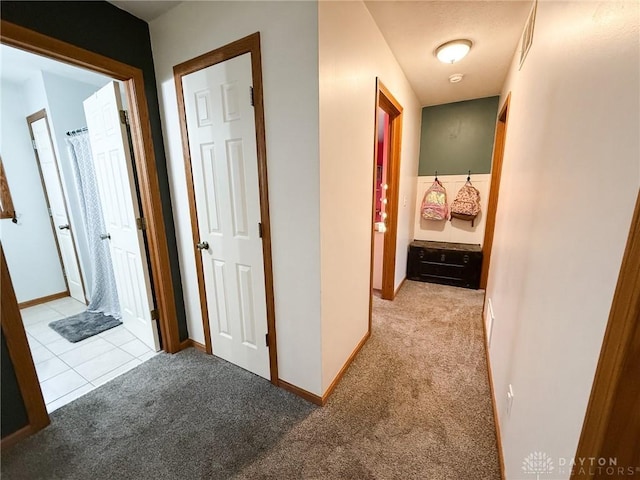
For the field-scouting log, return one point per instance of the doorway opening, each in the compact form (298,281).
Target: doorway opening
(51,181)
(380,196)
(386,181)
(142,172)
(492,207)
(88,311)
(222,121)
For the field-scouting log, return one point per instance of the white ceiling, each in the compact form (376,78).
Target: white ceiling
(145,10)
(414,29)
(18,66)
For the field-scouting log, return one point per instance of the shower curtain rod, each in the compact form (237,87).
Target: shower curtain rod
(75,132)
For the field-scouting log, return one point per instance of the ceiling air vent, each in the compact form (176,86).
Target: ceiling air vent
(527,34)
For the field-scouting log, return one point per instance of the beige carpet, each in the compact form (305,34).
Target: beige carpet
(415,404)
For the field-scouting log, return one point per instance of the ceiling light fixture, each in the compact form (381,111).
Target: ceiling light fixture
(453,51)
(456,77)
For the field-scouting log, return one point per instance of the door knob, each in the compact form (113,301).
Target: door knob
(64,227)
(203,245)
(105,236)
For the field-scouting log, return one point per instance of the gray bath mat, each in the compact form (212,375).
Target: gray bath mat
(84,325)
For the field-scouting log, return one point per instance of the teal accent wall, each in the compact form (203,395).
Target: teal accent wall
(458,137)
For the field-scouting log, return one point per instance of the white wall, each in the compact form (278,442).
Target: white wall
(289,37)
(570,179)
(29,246)
(64,98)
(35,95)
(456,230)
(352,52)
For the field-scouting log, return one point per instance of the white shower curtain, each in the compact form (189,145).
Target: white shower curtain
(103,293)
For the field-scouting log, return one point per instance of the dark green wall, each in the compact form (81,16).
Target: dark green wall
(458,137)
(105,29)
(14,415)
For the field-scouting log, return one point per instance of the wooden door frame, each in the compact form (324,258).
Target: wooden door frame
(496,174)
(611,427)
(249,44)
(144,158)
(7,210)
(20,354)
(39,115)
(388,103)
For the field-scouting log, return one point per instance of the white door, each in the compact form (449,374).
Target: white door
(222,145)
(58,208)
(116,188)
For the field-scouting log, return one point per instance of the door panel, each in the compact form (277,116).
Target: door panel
(58,209)
(222,145)
(116,188)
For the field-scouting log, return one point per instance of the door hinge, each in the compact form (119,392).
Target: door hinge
(260,229)
(33,142)
(124,117)
(50,212)
(251,96)
(141,223)
(154,314)
(266,339)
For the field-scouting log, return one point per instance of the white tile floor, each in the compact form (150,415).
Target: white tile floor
(68,370)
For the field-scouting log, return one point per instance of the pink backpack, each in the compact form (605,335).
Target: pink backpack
(434,203)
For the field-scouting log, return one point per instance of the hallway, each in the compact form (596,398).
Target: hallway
(414,404)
